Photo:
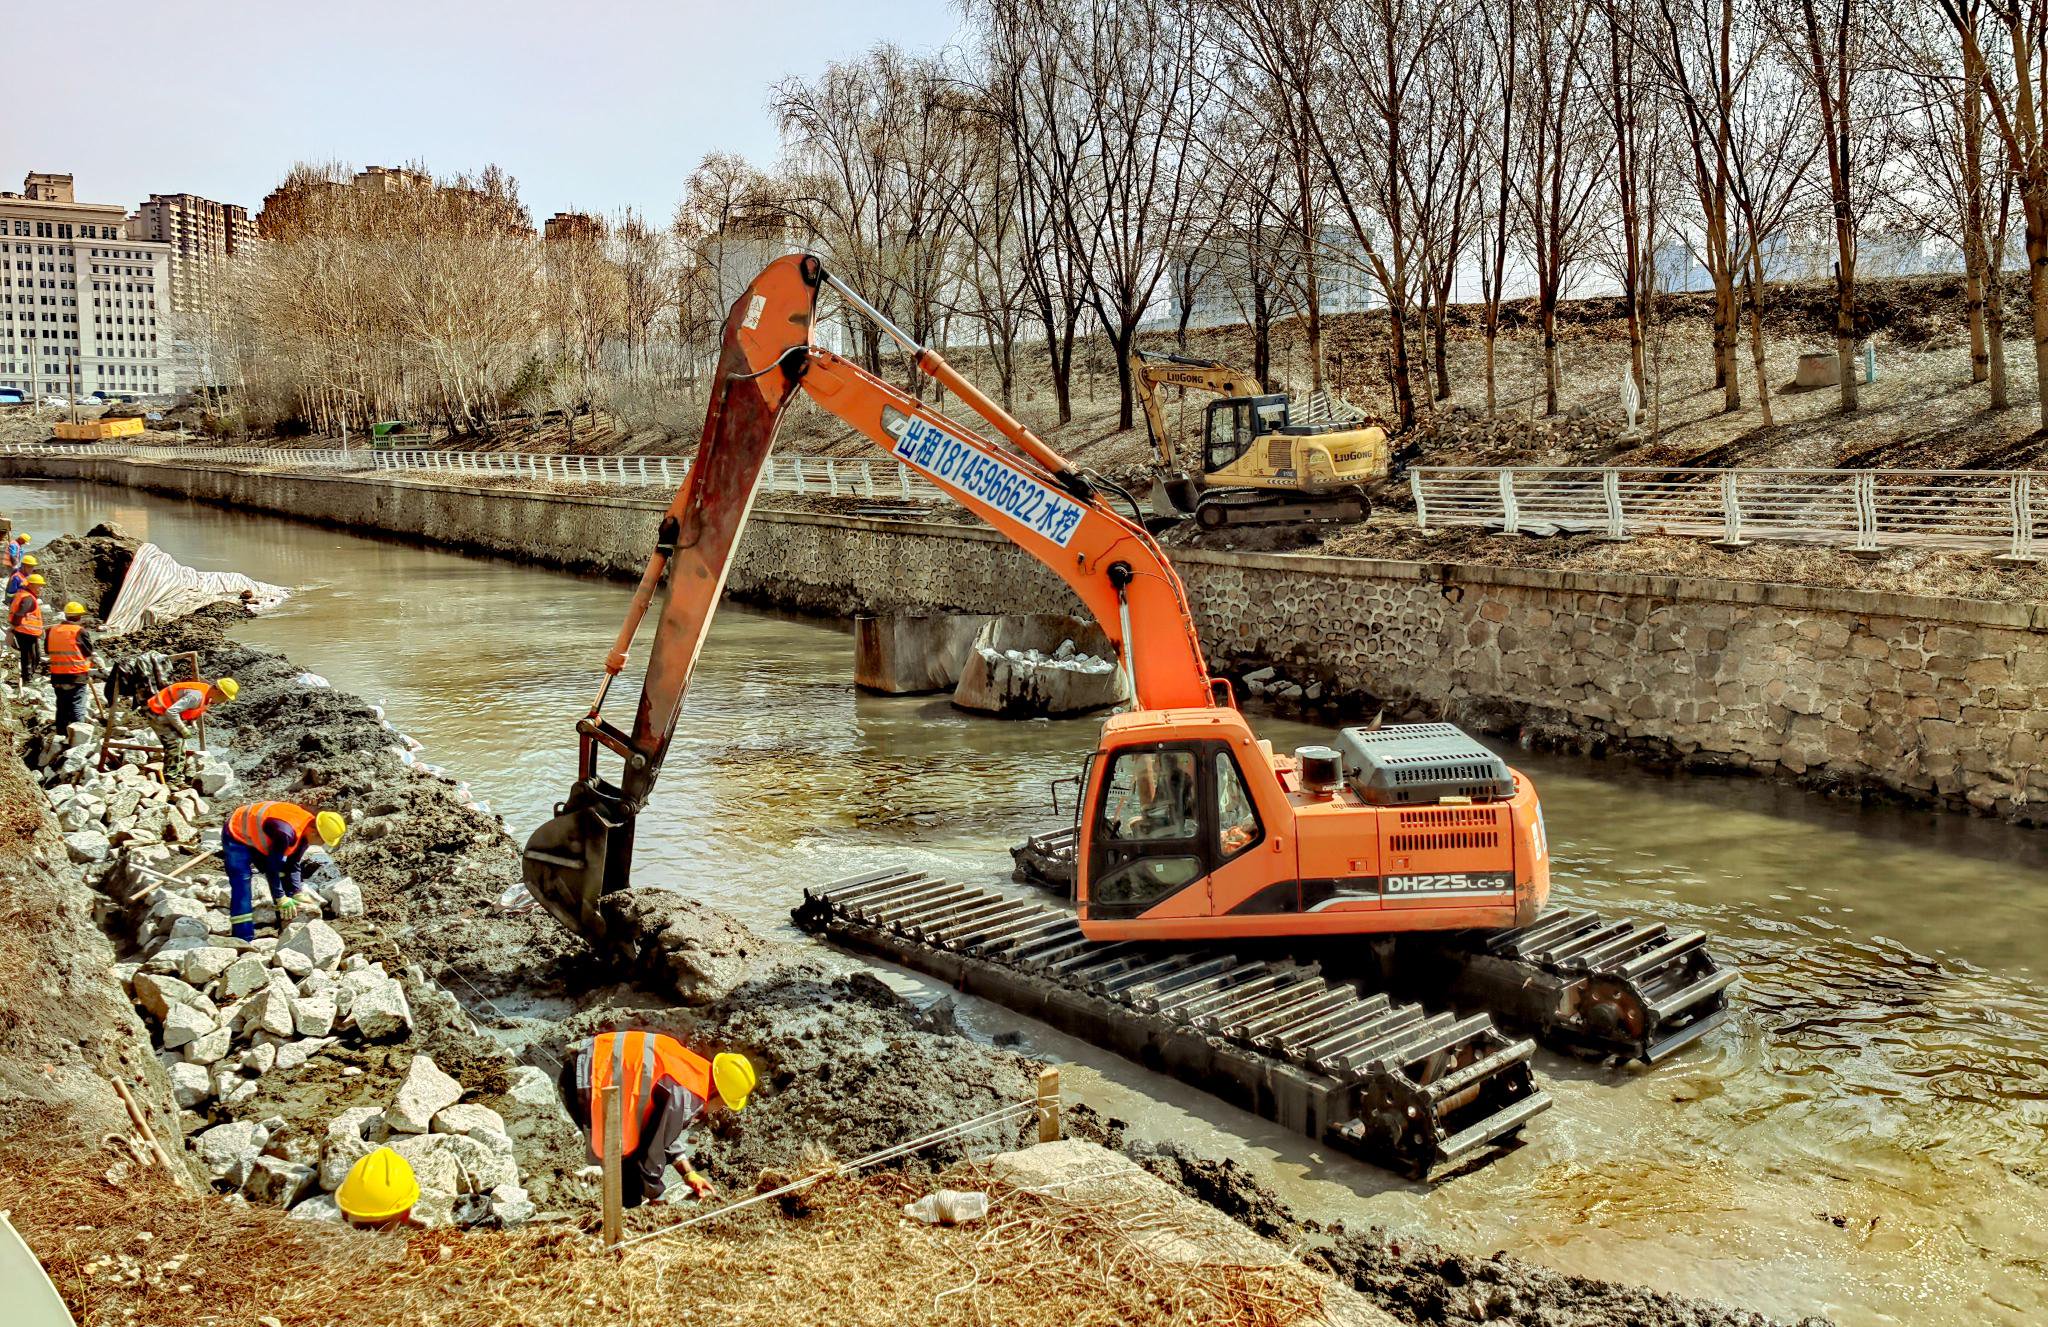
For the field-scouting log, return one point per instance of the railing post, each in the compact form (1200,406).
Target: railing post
(903,480)
(1511,518)
(1731,513)
(1421,507)
(1610,488)
(832,475)
(664,472)
(1865,487)
(2020,494)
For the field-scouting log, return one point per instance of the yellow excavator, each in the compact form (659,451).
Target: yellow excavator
(1260,460)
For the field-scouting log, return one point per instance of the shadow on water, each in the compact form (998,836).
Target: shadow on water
(1867,1138)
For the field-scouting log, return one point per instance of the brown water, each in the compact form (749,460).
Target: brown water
(1868,1138)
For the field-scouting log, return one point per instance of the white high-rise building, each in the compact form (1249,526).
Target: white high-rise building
(79,300)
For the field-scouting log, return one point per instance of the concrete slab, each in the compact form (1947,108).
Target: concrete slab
(1167,1223)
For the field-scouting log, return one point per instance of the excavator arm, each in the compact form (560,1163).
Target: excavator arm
(1151,372)
(1027,491)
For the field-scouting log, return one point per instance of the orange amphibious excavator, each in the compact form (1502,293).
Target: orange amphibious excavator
(1192,830)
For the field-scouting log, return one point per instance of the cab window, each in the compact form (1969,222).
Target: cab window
(1152,796)
(1149,832)
(1230,432)
(1237,821)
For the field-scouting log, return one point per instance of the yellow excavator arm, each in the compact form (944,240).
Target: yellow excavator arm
(1151,372)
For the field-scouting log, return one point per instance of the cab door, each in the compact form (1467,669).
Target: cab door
(1148,839)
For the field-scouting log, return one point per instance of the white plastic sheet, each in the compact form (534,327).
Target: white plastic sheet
(159,587)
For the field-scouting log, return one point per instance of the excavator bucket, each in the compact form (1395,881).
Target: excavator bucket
(575,859)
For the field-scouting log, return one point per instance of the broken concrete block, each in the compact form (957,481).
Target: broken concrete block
(293,962)
(317,982)
(211,1046)
(87,846)
(467,1119)
(80,733)
(200,966)
(191,1085)
(509,1206)
(434,1162)
(434,1210)
(122,805)
(344,896)
(278,1182)
(313,1015)
(424,1093)
(240,1093)
(178,829)
(215,778)
(245,975)
(320,1207)
(318,941)
(292,1054)
(351,1136)
(229,1151)
(267,1011)
(259,1059)
(158,992)
(186,1023)
(483,1168)
(381,1012)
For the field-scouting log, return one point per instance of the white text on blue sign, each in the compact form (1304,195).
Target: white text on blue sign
(984,478)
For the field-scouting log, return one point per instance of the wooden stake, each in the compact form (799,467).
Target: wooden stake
(1048,1105)
(614,1193)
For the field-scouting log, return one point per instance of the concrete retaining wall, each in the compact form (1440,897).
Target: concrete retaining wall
(1930,698)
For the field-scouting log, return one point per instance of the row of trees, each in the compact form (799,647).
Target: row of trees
(1076,168)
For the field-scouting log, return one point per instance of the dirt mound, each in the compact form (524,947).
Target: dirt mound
(88,568)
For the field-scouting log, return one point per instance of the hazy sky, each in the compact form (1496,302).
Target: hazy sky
(594,106)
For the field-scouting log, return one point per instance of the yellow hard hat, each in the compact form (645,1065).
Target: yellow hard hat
(331,827)
(74,609)
(37,580)
(378,1187)
(24,538)
(229,687)
(30,561)
(734,1077)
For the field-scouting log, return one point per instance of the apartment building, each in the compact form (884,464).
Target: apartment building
(204,236)
(80,298)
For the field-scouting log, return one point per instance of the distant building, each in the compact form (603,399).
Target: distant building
(79,296)
(572,226)
(204,237)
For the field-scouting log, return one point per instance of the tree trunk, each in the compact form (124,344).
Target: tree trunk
(1262,334)
(1442,348)
(1400,373)
(1845,332)
(1726,326)
(1492,335)
(1756,329)
(1994,334)
(1313,294)
(2037,290)
(1121,342)
(1547,307)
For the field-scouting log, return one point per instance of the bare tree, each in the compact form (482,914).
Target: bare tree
(1695,52)
(1832,59)
(1503,45)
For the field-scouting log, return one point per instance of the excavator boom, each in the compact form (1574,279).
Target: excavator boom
(1027,491)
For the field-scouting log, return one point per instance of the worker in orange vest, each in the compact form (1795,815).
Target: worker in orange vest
(664,1089)
(70,665)
(275,836)
(25,620)
(172,712)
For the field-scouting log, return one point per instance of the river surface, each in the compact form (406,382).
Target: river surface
(1867,1139)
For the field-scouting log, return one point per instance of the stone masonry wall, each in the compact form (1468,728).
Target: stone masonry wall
(1931,699)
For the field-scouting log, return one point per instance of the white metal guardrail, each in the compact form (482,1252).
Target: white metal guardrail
(1859,510)
(814,476)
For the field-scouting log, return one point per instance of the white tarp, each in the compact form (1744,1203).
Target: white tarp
(159,587)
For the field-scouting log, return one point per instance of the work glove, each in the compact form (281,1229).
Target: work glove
(699,1186)
(287,908)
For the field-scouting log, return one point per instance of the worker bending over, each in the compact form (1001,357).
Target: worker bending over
(25,620)
(173,711)
(18,577)
(663,1090)
(274,836)
(70,665)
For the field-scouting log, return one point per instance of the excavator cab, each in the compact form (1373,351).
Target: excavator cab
(1232,425)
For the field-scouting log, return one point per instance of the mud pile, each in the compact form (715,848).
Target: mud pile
(88,568)
(1412,1279)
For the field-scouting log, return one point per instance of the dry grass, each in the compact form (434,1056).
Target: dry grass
(847,1256)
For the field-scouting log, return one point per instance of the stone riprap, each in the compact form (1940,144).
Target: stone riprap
(1929,698)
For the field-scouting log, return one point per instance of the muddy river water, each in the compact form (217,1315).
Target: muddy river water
(1867,1139)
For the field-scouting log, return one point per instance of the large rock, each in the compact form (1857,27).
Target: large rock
(318,942)
(1026,666)
(158,992)
(424,1093)
(434,1162)
(483,1167)
(244,976)
(902,654)
(201,965)
(185,1023)
(278,1182)
(229,1151)
(344,896)
(351,1136)
(509,1206)
(269,1010)
(87,846)
(191,1085)
(292,1054)
(209,1048)
(380,1012)
(468,1119)
(215,778)
(313,1015)
(320,1207)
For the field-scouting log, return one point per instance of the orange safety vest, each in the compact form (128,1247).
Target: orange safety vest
(649,1057)
(31,622)
(66,659)
(246,824)
(160,703)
